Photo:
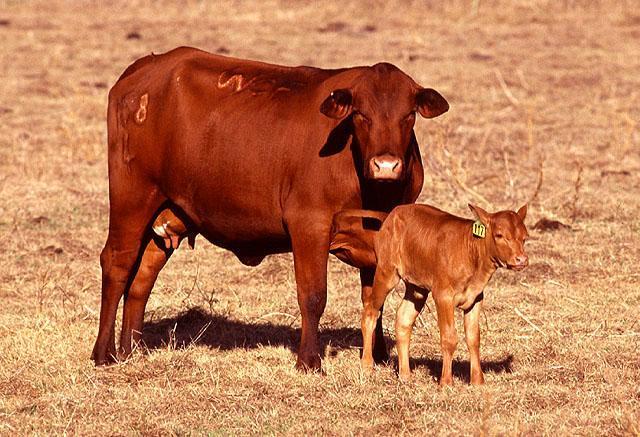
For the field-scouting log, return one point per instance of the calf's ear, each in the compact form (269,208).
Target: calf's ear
(338,104)
(480,213)
(522,212)
(430,103)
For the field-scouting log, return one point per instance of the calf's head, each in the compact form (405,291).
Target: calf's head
(506,235)
(381,105)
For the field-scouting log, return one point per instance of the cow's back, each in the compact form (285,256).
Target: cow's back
(227,140)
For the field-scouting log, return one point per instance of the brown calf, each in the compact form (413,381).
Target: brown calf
(451,257)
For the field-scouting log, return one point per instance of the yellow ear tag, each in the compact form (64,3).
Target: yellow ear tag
(479,230)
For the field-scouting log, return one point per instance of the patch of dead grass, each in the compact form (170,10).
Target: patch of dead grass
(538,90)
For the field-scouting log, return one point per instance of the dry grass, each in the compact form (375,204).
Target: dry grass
(545,106)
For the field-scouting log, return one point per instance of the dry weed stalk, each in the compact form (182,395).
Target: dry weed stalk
(541,158)
(454,170)
(576,194)
(510,186)
(528,320)
(505,89)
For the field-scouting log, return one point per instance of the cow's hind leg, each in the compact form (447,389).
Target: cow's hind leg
(130,217)
(153,259)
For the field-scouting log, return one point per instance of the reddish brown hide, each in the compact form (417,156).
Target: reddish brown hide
(255,157)
(352,236)
(433,251)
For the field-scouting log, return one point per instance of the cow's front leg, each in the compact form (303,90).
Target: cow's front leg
(310,244)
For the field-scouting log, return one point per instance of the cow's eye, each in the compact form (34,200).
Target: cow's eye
(363,118)
(499,235)
(409,117)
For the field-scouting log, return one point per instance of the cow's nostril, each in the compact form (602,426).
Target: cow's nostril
(385,167)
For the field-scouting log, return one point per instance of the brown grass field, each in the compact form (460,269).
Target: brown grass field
(545,108)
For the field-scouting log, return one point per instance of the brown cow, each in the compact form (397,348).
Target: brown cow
(451,257)
(255,157)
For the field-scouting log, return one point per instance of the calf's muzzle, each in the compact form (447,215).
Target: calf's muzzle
(521,261)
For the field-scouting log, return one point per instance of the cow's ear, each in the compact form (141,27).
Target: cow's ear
(430,103)
(481,214)
(338,104)
(522,212)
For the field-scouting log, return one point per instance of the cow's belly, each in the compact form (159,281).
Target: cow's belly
(234,219)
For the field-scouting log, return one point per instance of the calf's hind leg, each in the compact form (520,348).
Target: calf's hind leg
(448,335)
(408,311)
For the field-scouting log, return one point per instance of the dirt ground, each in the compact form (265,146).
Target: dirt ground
(545,105)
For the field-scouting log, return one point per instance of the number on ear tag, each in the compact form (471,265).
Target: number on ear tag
(479,230)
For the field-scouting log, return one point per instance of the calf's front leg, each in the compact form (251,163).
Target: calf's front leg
(385,279)
(380,353)
(472,337)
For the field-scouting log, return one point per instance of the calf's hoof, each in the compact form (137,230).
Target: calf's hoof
(404,376)
(477,379)
(446,382)
(366,366)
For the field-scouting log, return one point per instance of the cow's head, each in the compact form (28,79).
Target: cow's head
(506,236)
(382,105)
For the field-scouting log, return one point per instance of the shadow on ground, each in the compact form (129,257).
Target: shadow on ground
(461,369)
(197,326)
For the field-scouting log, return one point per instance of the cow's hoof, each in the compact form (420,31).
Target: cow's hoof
(381,354)
(309,365)
(123,356)
(103,359)
(106,361)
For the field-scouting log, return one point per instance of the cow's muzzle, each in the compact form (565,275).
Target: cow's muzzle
(385,168)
